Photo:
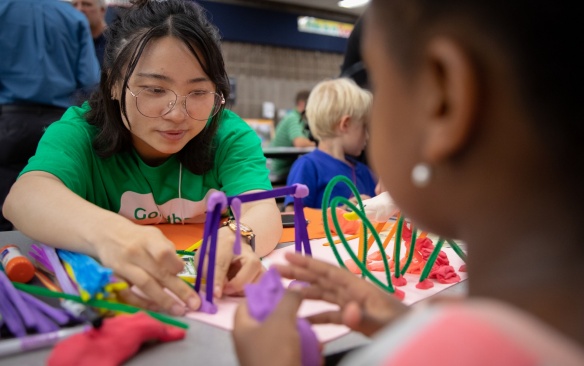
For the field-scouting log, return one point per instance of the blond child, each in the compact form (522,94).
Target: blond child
(337,112)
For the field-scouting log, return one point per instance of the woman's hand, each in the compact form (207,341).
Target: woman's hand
(363,306)
(245,268)
(144,257)
(276,341)
(232,271)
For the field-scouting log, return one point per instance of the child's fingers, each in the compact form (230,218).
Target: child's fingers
(288,307)
(332,296)
(319,268)
(329,317)
(296,273)
(242,320)
(310,268)
(352,315)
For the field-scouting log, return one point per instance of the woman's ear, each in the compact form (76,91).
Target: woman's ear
(116,91)
(115,94)
(450,104)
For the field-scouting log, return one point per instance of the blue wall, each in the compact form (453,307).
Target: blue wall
(253,25)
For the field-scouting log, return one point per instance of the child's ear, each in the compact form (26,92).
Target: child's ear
(344,123)
(450,103)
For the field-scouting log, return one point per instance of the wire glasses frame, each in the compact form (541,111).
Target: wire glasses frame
(200,105)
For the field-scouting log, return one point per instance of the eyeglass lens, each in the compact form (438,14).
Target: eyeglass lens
(156,102)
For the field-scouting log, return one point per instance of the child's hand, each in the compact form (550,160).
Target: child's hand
(379,188)
(363,306)
(144,257)
(353,200)
(276,341)
(380,208)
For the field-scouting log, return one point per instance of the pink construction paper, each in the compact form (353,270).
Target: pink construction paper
(326,333)
(227,306)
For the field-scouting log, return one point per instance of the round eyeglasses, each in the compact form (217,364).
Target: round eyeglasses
(155,102)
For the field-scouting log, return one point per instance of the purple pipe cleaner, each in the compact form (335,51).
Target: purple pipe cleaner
(38,254)
(12,295)
(9,313)
(62,277)
(59,316)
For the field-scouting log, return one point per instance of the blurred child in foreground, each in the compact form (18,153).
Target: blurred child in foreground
(476,134)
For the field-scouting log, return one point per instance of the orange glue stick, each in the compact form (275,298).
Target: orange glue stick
(18,268)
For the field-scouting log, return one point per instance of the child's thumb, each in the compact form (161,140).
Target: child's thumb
(288,306)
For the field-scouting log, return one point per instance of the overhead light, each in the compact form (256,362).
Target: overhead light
(352,3)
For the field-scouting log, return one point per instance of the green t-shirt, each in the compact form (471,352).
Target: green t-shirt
(123,183)
(288,129)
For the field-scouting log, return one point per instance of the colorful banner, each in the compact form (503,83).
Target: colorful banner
(324,27)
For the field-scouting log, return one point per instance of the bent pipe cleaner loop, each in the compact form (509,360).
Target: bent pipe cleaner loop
(354,257)
(366,225)
(326,205)
(298,191)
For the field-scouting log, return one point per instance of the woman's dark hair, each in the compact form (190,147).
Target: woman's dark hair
(540,41)
(127,37)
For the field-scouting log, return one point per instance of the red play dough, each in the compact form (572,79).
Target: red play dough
(352,266)
(348,227)
(399,294)
(376,266)
(399,281)
(424,285)
(377,256)
(445,274)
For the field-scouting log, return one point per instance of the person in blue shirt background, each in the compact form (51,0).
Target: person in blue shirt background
(47,55)
(337,112)
(95,11)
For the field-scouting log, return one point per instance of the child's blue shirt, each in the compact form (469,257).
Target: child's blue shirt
(317,169)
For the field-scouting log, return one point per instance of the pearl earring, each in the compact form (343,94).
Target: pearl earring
(421,175)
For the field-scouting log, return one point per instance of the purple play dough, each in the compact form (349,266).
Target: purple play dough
(262,299)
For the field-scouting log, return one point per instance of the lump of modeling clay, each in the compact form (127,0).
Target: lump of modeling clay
(262,299)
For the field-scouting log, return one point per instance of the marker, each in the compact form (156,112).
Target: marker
(27,343)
